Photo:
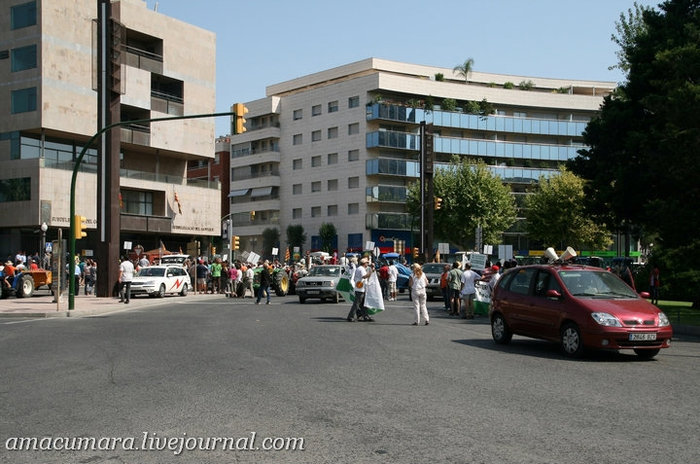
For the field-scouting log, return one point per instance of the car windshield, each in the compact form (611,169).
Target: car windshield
(325,271)
(595,284)
(151,272)
(433,268)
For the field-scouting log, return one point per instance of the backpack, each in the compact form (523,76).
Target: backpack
(384,273)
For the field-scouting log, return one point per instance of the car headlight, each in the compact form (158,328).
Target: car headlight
(606,319)
(663,320)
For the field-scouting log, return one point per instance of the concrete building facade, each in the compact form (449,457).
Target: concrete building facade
(341,146)
(49,109)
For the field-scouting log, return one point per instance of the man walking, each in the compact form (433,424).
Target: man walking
(126,275)
(360,278)
(265,280)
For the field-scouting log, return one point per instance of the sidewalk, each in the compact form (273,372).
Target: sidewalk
(42,304)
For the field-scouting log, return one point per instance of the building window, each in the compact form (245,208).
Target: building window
(316,186)
(316,110)
(332,132)
(332,158)
(316,161)
(297,189)
(297,139)
(316,136)
(332,210)
(23,100)
(333,106)
(353,102)
(23,58)
(315,211)
(353,208)
(23,15)
(354,128)
(296,213)
(297,164)
(15,189)
(353,155)
(298,114)
(135,202)
(332,185)
(353,182)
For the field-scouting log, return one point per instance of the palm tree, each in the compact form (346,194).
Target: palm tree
(465,69)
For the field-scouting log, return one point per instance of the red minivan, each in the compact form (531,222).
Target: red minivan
(579,307)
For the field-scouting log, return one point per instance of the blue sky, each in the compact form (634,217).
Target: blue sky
(264,42)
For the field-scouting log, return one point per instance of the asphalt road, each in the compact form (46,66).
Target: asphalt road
(177,374)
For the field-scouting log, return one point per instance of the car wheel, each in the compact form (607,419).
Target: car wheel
(161,291)
(571,343)
(499,330)
(302,300)
(647,354)
(183,292)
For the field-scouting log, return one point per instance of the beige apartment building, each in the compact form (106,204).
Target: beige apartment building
(341,146)
(49,111)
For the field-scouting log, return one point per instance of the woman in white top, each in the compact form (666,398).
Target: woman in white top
(418,283)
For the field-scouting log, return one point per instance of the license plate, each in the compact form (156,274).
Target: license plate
(313,292)
(642,337)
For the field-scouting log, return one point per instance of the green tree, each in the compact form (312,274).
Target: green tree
(628,28)
(271,239)
(471,196)
(464,69)
(328,234)
(554,214)
(448,104)
(296,236)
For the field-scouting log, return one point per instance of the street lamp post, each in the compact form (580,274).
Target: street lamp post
(44,228)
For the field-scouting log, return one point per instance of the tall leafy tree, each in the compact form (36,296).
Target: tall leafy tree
(327,233)
(642,164)
(471,196)
(271,239)
(555,215)
(465,69)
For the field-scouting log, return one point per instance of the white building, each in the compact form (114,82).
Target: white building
(340,146)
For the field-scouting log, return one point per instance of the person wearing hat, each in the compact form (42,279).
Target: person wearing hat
(357,311)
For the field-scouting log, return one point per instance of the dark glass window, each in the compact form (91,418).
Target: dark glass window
(23,58)
(23,100)
(23,15)
(15,189)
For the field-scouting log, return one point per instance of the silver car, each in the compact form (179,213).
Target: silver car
(321,283)
(433,271)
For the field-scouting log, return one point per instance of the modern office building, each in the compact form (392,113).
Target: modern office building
(340,146)
(49,109)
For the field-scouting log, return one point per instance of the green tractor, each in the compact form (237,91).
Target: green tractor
(280,280)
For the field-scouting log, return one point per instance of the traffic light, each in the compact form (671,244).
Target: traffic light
(438,202)
(79,226)
(213,250)
(236,242)
(415,252)
(240,111)
(252,216)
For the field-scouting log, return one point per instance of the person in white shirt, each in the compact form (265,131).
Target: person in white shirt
(468,291)
(358,306)
(393,277)
(418,283)
(126,275)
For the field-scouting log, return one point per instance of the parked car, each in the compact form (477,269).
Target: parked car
(161,280)
(578,307)
(433,271)
(320,282)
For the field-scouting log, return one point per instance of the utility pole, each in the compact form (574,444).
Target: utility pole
(427,162)
(111,39)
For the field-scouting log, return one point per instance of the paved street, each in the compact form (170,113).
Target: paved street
(187,369)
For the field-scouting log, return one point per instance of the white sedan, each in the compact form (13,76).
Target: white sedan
(160,280)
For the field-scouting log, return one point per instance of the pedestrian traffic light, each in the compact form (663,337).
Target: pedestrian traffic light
(415,252)
(240,111)
(79,226)
(236,242)
(438,202)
